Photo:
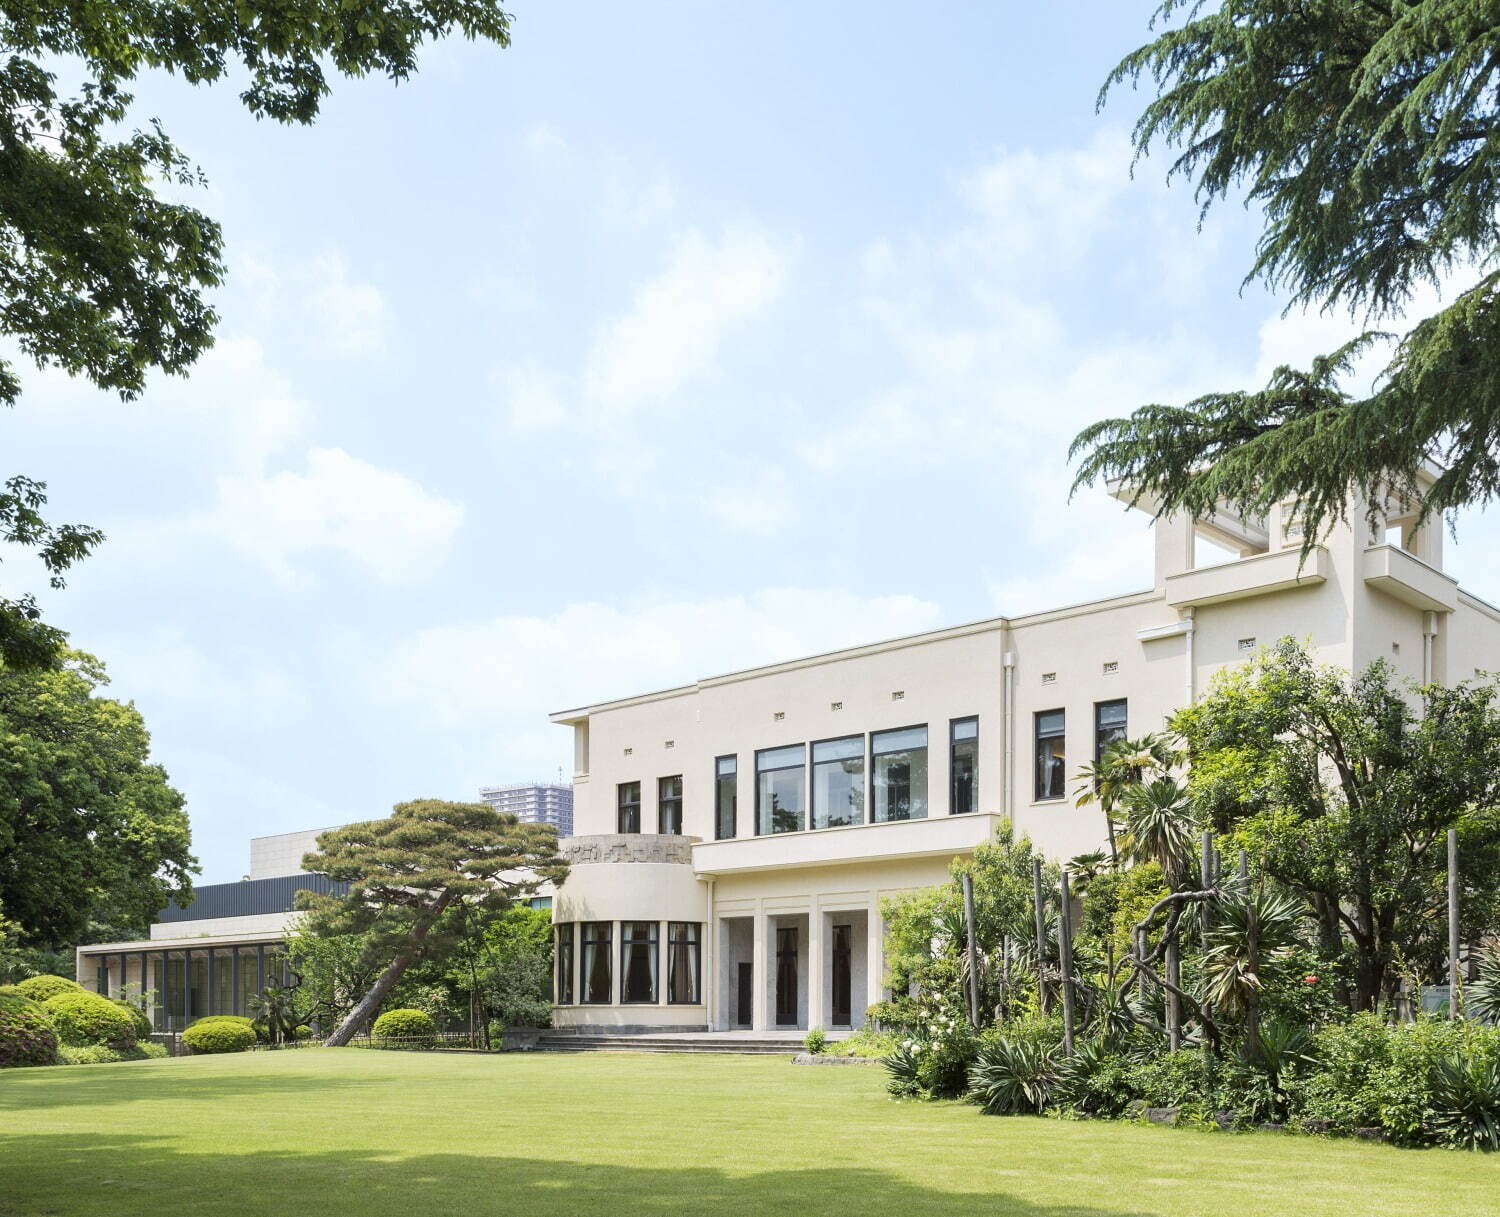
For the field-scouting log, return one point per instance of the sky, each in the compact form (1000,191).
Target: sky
(673,339)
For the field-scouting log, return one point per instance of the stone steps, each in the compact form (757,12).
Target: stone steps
(747,1046)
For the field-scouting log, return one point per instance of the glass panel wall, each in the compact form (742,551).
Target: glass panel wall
(780,779)
(597,936)
(565,936)
(726,796)
(669,804)
(1109,725)
(838,782)
(1051,748)
(899,774)
(638,961)
(223,997)
(156,969)
(684,961)
(628,804)
(249,980)
(963,766)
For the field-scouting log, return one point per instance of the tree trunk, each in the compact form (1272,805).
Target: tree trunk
(386,981)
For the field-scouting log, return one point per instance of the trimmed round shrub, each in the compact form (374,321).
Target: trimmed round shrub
(137,1016)
(219,1033)
(42,988)
(101,1054)
(27,1034)
(86,1018)
(404,1025)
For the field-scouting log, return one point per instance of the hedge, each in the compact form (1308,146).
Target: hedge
(102,1054)
(137,1016)
(41,988)
(404,1025)
(219,1033)
(27,1033)
(86,1018)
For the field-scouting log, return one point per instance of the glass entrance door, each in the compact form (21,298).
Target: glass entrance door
(786,976)
(745,997)
(843,943)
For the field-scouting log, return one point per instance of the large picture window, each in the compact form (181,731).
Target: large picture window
(638,961)
(838,782)
(564,983)
(779,778)
(597,936)
(1051,754)
(1109,725)
(628,803)
(669,805)
(726,796)
(899,774)
(963,766)
(684,962)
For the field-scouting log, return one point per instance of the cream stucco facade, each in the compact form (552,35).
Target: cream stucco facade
(718,925)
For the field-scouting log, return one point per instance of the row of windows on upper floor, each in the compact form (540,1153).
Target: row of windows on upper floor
(837,791)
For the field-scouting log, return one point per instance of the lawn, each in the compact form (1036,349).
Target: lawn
(326,1132)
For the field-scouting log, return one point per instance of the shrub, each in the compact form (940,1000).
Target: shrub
(1012,1076)
(102,1054)
(869,1043)
(86,1018)
(1466,1102)
(41,988)
(219,1033)
(27,1033)
(816,1042)
(137,1016)
(1096,1080)
(415,1026)
(901,1063)
(520,1010)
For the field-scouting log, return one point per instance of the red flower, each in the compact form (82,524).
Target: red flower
(1309,980)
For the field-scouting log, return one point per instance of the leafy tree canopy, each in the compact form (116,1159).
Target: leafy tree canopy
(1343,789)
(1369,136)
(99,274)
(89,828)
(415,877)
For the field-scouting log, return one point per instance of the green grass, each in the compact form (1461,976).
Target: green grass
(385,1134)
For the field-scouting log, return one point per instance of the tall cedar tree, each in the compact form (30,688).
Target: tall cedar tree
(89,828)
(1369,137)
(99,274)
(409,873)
(1343,789)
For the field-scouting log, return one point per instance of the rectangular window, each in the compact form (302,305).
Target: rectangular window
(779,795)
(1109,725)
(1051,747)
(638,961)
(564,986)
(669,805)
(899,774)
(838,782)
(684,962)
(628,801)
(726,796)
(597,936)
(963,766)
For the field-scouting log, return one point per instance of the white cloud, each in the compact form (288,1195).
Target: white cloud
(535,398)
(165,664)
(382,520)
(351,315)
(679,319)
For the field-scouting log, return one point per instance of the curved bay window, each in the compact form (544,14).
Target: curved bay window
(597,936)
(638,961)
(899,774)
(963,766)
(779,778)
(669,805)
(684,962)
(564,981)
(838,782)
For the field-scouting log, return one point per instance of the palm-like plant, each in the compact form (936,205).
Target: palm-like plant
(1482,998)
(1159,827)
(1248,928)
(1121,766)
(1013,1076)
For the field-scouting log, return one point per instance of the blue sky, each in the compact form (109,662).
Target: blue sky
(673,339)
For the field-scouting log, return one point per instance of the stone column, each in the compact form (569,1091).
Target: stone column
(760,1007)
(817,967)
(874,955)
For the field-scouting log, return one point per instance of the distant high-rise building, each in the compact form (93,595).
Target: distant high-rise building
(534,803)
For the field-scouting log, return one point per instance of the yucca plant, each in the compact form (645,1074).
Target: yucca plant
(902,1065)
(1159,827)
(1249,927)
(1276,1049)
(1012,1077)
(1482,998)
(1466,1102)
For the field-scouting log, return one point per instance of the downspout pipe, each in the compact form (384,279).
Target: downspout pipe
(1429,645)
(1007,712)
(1189,615)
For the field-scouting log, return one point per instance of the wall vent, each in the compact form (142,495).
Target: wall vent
(671,743)
(629,751)
(898,694)
(1049,678)
(1111,667)
(778,716)
(835,705)
(1247,644)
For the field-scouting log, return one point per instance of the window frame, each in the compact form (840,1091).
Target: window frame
(953,743)
(608,942)
(812,778)
(734,796)
(1039,795)
(565,946)
(696,943)
(1099,745)
(663,800)
(801,811)
(653,941)
(620,806)
(926,730)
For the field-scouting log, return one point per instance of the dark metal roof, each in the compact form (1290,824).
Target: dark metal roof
(249,897)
